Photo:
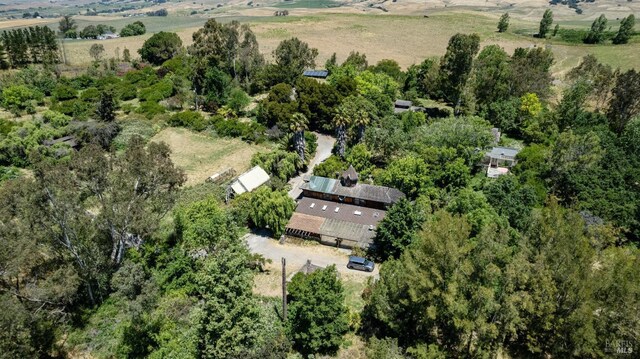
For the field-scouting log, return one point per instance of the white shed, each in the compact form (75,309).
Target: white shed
(250,180)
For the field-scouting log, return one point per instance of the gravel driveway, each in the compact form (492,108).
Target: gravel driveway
(297,255)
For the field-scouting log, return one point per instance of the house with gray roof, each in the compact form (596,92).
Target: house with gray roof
(500,160)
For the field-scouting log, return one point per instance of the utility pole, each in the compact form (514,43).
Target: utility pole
(284,289)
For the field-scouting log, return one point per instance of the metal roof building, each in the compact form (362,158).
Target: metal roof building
(250,180)
(379,196)
(342,212)
(335,223)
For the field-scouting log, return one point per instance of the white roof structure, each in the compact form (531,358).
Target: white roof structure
(250,180)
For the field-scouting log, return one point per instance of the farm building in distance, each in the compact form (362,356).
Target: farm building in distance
(341,213)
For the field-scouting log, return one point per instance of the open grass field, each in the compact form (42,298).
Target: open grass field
(200,156)
(407,39)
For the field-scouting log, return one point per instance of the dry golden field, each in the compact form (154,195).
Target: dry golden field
(201,156)
(407,39)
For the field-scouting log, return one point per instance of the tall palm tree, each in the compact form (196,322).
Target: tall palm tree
(341,121)
(361,119)
(297,125)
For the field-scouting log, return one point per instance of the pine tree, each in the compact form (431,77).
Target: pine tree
(625,31)
(503,24)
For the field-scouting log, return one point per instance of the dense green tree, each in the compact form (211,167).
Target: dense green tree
(357,61)
(571,109)
(447,290)
(90,32)
(503,24)
(559,286)
(278,107)
(511,200)
(625,101)
(625,31)
(317,101)
(106,110)
(572,155)
(331,167)
(491,76)
(531,72)
(160,47)
(390,68)
(397,230)
(134,29)
(545,23)
(227,325)
(292,57)
(596,34)
(271,209)
(317,315)
(409,174)
(215,87)
(230,47)
(456,66)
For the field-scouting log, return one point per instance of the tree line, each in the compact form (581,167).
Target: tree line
(32,45)
(597,34)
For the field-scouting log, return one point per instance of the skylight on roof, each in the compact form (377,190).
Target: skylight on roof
(337,209)
(357,213)
(324,208)
(312,205)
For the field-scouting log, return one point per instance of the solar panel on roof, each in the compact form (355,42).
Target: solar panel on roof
(316,73)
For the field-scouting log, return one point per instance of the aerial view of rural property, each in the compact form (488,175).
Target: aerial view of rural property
(313,179)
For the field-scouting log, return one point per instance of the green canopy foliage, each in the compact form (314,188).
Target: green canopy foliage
(317,316)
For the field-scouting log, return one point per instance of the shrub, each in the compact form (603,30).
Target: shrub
(56,119)
(188,119)
(90,95)
(64,92)
(76,108)
(150,109)
(19,98)
(238,99)
(126,91)
(158,91)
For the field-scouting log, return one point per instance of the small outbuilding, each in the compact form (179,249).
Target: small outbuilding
(250,180)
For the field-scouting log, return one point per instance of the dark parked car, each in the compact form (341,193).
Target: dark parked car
(360,264)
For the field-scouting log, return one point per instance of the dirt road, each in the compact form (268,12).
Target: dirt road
(325,145)
(297,255)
